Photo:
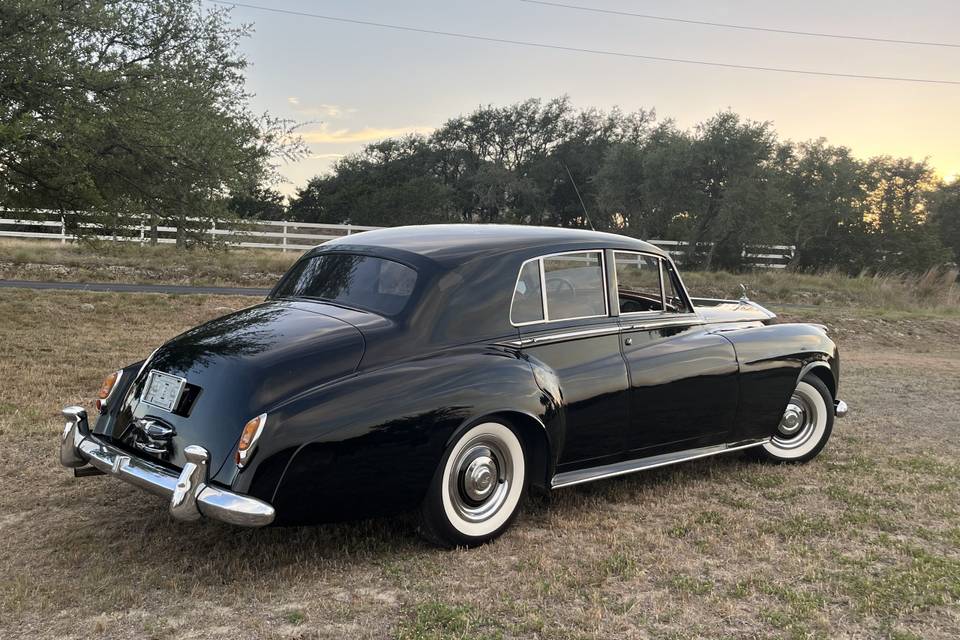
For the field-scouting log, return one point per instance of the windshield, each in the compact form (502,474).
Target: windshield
(366,282)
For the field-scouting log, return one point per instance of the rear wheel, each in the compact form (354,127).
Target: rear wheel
(476,492)
(805,426)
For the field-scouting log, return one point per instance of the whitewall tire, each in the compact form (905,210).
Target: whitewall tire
(477,489)
(805,426)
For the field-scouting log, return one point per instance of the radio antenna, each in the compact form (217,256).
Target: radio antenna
(579,197)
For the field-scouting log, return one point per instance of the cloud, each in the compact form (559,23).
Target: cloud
(325,156)
(324,135)
(321,110)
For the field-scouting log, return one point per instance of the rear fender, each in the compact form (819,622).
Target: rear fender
(369,444)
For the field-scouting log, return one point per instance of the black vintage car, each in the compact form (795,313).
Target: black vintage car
(450,369)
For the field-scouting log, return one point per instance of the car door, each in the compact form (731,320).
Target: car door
(683,380)
(561,307)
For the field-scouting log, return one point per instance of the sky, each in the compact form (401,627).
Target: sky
(354,84)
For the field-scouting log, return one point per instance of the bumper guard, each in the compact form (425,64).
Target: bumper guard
(190,495)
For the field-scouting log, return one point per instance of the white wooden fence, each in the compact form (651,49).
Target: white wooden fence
(280,235)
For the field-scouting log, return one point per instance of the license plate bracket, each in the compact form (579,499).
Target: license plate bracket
(162,390)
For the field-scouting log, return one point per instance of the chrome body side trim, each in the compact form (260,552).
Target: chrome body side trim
(686,319)
(564,335)
(190,495)
(580,476)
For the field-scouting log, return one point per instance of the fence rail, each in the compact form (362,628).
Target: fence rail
(281,235)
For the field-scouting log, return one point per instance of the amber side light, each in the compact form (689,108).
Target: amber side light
(107,385)
(248,438)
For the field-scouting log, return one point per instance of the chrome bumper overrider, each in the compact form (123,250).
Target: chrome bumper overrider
(190,495)
(840,408)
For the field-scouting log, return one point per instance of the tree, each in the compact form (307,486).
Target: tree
(129,105)
(725,186)
(827,190)
(259,203)
(945,214)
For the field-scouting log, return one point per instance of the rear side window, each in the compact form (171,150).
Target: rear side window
(638,282)
(365,282)
(528,295)
(574,283)
(571,283)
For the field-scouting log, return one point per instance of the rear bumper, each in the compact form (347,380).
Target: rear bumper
(190,495)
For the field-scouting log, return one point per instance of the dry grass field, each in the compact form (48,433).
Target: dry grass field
(862,543)
(130,263)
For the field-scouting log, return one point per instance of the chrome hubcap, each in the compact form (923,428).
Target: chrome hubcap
(793,419)
(798,423)
(483,475)
(478,478)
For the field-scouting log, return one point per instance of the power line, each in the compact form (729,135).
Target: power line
(725,25)
(601,52)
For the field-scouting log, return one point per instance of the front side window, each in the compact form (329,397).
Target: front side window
(365,282)
(638,282)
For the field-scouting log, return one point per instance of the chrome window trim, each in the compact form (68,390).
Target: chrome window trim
(543,289)
(683,287)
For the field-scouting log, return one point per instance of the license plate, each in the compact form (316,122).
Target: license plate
(162,390)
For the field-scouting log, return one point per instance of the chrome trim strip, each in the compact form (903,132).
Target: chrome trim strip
(688,319)
(580,476)
(190,495)
(543,290)
(566,335)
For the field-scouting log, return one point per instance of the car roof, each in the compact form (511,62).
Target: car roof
(449,244)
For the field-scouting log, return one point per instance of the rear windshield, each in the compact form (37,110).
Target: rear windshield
(366,282)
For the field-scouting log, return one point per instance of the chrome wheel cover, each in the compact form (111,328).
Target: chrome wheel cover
(481,479)
(803,424)
(798,423)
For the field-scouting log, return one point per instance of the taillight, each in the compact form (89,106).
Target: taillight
(248,438)
(109,384)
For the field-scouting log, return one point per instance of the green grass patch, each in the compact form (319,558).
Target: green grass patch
(436,620)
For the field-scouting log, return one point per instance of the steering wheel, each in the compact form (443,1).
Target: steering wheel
(559,283)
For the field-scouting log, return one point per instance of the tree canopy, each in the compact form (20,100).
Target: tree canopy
(129,105)
(726,184)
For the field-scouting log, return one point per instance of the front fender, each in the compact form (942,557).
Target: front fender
(369,444)
(772,360)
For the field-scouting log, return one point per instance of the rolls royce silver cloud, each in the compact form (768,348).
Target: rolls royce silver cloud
(450,369)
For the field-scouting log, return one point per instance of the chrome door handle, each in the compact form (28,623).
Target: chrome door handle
(628,341)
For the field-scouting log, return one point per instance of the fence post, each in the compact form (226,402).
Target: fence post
(142,229)
(284,238)
(213,232)
(349,230)
(63,230)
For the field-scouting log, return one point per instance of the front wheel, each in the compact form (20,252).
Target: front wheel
(806,424)
(476,492)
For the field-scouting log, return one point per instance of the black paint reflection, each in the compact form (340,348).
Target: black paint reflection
(244,333)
